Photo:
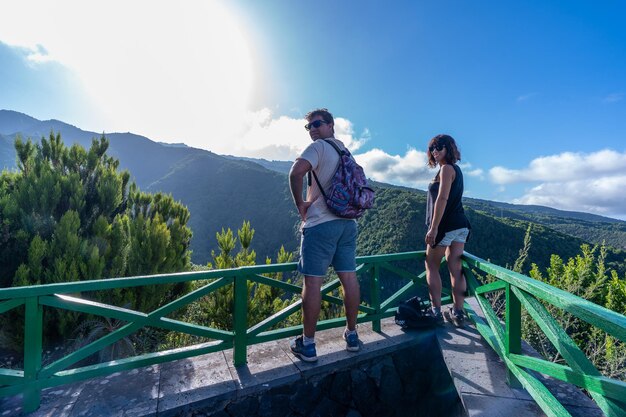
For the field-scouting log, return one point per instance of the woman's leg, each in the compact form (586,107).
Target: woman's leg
(453,257)
(433,262)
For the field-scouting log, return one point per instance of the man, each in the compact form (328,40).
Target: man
(326,238)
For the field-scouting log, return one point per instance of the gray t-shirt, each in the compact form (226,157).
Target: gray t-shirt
(324,159)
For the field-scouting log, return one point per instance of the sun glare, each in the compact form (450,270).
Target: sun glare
(170,71)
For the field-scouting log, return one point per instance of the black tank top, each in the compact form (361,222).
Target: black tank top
(453,216)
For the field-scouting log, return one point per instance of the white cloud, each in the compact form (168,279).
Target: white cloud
(567,166)
(604,195)
(408,170)
(592,182)
(476,173)
(467,170)
(283,138)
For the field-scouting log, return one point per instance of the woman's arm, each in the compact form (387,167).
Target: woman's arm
(446,176)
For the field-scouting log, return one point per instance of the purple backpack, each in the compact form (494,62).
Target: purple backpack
(349,195)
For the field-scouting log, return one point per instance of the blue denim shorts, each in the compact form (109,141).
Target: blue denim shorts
(329,243)
(458,235)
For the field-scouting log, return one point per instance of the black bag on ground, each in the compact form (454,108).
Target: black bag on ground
(414,313)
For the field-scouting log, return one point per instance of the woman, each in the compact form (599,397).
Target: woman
(448,228)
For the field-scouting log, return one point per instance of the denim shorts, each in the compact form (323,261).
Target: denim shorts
(329,243)
(458,235)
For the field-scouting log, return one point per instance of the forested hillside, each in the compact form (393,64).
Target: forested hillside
(589,227)
(221,193)
(397,225)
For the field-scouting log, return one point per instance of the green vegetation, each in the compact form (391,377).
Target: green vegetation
(68,215)
(216,310)
(396,224)
(586,276)
(222,193)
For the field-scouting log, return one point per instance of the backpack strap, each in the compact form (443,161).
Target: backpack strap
(334,145)
(318,184)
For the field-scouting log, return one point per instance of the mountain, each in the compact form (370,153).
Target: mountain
(220,192)
(12,122)
(146,160)
(224,191)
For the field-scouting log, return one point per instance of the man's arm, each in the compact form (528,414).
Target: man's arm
(296,175)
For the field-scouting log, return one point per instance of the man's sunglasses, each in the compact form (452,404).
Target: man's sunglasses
(439,147)
(316,124)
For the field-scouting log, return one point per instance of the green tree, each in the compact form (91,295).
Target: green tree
(518,266)
(586,276)
(68,214)
(216,309)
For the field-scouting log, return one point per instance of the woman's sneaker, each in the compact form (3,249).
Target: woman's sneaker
(456,317)
(352,341)
(437,316)
(306,353)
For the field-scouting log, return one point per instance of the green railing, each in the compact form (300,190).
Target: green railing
(505,339)
(36,376)
(522,291)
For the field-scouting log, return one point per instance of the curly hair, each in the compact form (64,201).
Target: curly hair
(326,115)
(452,152)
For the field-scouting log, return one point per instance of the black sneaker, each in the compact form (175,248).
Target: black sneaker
(438,317)
(455,317)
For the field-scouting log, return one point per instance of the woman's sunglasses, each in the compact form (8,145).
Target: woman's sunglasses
(439,147)
(316,124)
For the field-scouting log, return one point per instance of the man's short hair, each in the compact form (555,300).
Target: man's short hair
(324,113)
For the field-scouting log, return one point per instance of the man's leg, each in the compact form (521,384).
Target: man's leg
(311,304)
(316,251)
(344,263)
(351,297)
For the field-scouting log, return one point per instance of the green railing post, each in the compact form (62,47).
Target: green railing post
(33,334)
(375,296)
(240,356)
(513,331)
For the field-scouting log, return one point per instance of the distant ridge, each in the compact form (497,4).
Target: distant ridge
(530,208)
(13,122)
(282,167)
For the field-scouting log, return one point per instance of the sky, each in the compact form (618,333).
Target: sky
(534,92)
